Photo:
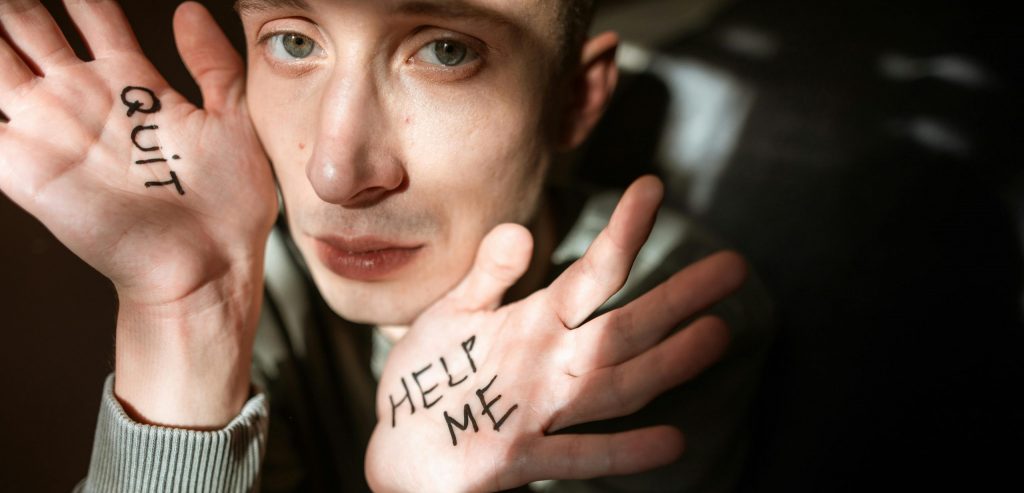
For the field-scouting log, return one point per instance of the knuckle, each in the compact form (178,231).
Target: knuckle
(610,454)
(592,272)
(619,390)
(623,326)
(17,6)
(577,464)
(502,269)
(735,264)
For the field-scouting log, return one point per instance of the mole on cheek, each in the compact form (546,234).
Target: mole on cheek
(302,145)
(408,120)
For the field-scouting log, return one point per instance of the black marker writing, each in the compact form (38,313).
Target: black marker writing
(173,181)
(135,137)
(487,405)
(423,393)
(451,381)
(137,99)
(157,160)
(394,405)
(467,419)
(144,100)
(467,412)
(467,347)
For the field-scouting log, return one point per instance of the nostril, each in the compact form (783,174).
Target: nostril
(374,195)
(367,198)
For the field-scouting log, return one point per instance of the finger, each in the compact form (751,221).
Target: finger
(13,73)
(602,271)
(619,335)
(31,29)
(502,258)
(591,456)
(209,56)
(623,389)
(104,27)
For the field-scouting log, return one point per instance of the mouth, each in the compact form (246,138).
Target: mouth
(364,258)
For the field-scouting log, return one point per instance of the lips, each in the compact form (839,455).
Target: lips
(364,258)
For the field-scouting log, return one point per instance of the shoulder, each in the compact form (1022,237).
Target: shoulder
(676,241)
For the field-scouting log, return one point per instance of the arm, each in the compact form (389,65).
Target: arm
(172,202)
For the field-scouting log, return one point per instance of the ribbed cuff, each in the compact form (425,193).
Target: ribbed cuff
(132,457)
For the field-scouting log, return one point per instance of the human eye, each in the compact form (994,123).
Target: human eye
(448,53)
(441,55)
(292,47)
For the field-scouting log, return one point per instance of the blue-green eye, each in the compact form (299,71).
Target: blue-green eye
(447,53)
(292,46)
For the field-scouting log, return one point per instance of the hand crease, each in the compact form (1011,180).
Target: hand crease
(623,327)
(617,378)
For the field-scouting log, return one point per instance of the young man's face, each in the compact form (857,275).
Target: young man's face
(401,132)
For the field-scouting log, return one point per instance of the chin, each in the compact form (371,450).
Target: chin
(373,315)
(393,303)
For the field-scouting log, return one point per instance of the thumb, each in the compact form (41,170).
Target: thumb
(502,258)
(214,64)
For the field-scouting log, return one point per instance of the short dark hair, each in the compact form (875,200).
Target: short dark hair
(576,17)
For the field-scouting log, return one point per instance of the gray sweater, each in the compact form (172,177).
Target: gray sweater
(307,425)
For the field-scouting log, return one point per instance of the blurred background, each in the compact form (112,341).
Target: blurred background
(863,154)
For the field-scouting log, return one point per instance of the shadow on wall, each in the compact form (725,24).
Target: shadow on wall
(862,154)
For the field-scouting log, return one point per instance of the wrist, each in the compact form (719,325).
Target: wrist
(186,363)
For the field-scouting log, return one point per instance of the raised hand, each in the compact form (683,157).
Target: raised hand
(470,396)
(172,202)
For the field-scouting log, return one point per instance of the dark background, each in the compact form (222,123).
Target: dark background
(896,267)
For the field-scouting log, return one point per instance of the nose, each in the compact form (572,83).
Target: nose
(353,163)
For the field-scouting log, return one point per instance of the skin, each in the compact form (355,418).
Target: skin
(398,146)
(187,269)
(385,145)
(550,370)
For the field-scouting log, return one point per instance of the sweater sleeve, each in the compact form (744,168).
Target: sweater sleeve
(132,457)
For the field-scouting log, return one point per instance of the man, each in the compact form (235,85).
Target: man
(410,141)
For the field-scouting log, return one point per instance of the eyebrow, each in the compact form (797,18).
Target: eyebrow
(457,9)
(450,9)
(245,6)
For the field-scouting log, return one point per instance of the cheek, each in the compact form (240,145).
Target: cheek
(274,104)
(476,155)
(274,114)
(480,151)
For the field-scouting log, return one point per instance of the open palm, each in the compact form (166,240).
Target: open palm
(470,396)
(157,194)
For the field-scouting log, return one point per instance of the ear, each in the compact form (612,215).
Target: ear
(590,90)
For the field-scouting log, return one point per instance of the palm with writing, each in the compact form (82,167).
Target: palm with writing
(470,396)
(90,148)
